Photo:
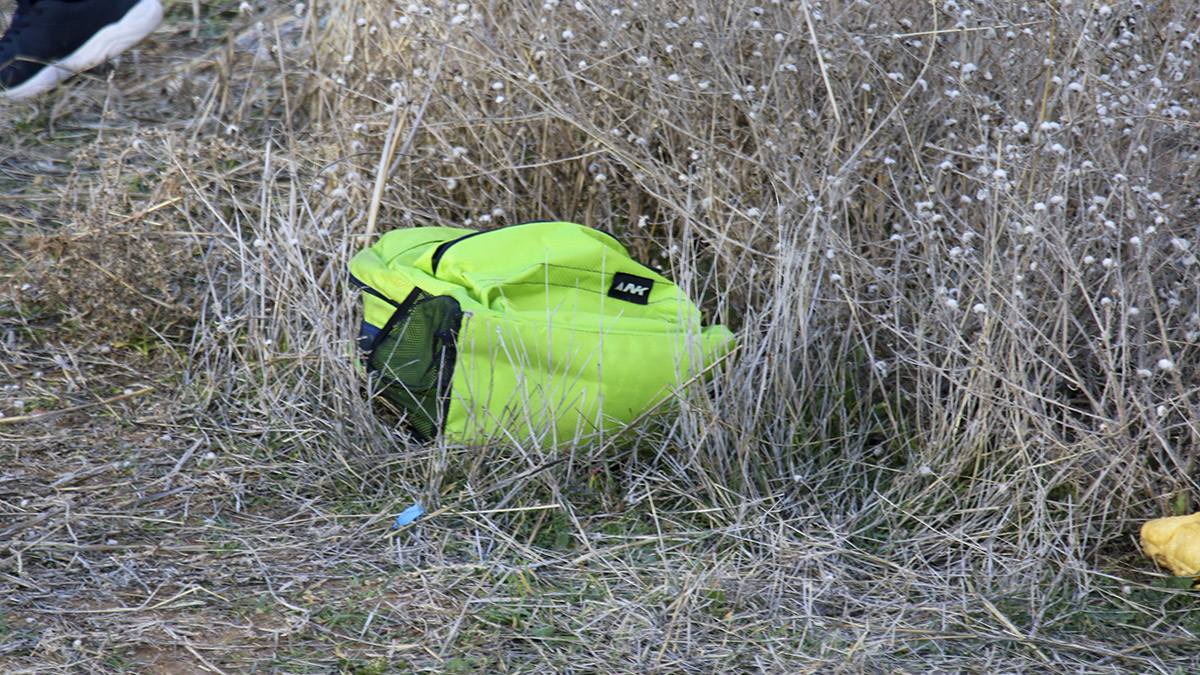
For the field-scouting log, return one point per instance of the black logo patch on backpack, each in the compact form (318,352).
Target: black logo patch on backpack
(631,288)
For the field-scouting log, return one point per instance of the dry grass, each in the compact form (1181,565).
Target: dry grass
(958,243)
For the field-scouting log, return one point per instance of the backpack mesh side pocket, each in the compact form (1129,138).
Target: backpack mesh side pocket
(413,359)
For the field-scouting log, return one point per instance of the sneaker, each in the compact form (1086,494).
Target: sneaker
(51,40)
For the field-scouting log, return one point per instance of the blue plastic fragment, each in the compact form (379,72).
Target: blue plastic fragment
(410,514)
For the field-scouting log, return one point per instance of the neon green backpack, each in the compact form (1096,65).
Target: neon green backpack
(527,330)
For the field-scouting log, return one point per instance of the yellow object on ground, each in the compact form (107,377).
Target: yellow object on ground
(1174,543)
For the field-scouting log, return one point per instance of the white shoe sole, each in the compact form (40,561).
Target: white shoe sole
(139,22)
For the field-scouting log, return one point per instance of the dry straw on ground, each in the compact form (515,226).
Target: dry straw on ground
(958,241)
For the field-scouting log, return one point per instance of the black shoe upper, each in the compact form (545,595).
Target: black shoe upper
(44,32)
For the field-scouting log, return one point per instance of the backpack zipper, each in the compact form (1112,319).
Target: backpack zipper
(367,289)
(441,249)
